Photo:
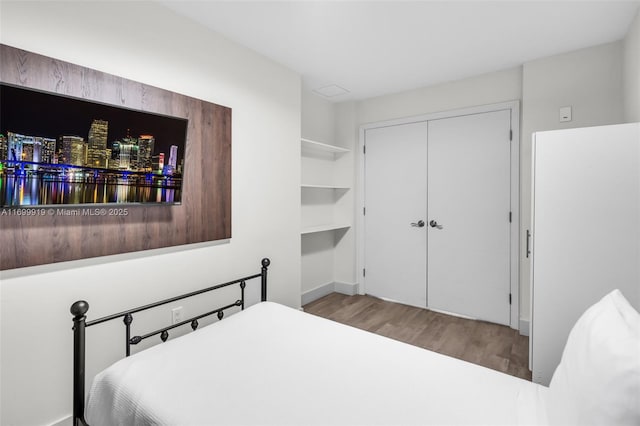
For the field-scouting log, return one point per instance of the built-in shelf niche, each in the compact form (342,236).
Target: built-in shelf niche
(323,187)
(326,218)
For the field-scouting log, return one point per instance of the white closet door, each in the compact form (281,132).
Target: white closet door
(469,202)
(395,198)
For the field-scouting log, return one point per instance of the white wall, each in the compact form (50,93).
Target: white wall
(631,72)
(145,42)
(346,130)
(495,87)
(589,80)
(317,118)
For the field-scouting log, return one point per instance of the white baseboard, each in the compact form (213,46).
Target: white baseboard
(324,289)
(65,421)
(524,327)
(316,293)
(350,289)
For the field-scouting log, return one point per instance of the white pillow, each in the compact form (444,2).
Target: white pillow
(598,379)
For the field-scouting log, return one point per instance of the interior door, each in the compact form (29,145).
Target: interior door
(396,203)
(469,202)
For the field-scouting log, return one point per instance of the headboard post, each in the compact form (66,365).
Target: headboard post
(78,310)
(265,264)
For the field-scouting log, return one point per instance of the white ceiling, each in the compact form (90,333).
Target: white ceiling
(373,48)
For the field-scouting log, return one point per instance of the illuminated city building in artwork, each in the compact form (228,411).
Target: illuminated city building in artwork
(157,163)
(27,149)
(4,147)
(60,151)
(74,150)
(78,152)
(31,151)
(97,144)
(145,152)
(48,151)
(34,149)
(114,162)
(125,154)
(15,146)
(173,160)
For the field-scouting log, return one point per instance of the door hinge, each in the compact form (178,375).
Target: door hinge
(364,149)
(510,216)
(510,135)
(509,298)
(364,211)
(364,272)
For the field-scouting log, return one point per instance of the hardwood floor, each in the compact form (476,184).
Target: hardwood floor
(490,345)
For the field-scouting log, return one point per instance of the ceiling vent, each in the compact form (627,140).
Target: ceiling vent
(331,91)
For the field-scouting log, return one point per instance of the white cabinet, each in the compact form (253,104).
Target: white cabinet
(326,213)
(585,231)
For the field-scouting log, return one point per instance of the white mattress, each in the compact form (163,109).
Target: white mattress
(273,365)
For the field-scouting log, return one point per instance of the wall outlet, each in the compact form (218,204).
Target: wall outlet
(177,315)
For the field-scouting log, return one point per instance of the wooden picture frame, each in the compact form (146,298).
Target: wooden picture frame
(65,233)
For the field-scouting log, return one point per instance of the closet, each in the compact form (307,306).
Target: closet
(440,212)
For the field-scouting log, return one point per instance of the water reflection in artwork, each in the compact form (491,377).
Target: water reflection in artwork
(78,188)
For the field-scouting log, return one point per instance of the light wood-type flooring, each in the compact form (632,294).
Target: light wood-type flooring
(491,345)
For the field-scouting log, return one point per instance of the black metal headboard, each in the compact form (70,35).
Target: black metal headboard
(79,310)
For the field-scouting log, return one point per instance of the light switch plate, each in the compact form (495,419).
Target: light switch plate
(565,114)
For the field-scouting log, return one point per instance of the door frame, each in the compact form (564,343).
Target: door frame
(514,261)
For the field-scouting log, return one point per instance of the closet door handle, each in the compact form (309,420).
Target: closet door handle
(420,224)
(434,224)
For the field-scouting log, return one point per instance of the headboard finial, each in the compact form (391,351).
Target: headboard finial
(79,308)
(265,264)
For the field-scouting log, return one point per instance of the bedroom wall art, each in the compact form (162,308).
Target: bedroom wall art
(59,150)
(144,168)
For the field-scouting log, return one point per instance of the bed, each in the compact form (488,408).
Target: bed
(273,365)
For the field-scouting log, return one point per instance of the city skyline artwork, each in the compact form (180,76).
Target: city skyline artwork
(58,150)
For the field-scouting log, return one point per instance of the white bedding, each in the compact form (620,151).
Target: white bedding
(273,365)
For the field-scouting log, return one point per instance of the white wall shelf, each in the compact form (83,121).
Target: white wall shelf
(310,186)
(309,145)
(323,228)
